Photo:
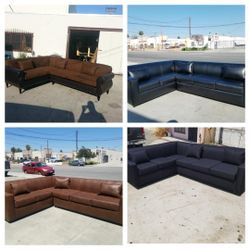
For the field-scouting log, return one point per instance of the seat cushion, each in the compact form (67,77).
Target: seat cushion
(82,197)
(205,81)
(230,86)
(146,168)
(25,199)
(63,194)
(202,165)
(81,78)
(185,162)
(167,162)
(37,72)
(107,202)
(225,170)
(43,194)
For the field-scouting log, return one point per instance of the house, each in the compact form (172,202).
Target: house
(36,30)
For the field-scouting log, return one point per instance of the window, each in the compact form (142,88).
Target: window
(18,41)
(180,130)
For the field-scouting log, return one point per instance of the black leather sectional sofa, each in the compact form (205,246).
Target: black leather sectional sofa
(219,166)
(219,81)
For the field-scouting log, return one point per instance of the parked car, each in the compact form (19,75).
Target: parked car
(136,137)
(7,167)
(76,163)
(38,168)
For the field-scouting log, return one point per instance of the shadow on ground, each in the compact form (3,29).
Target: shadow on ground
(15,112)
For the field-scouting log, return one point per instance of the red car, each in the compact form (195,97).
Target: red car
(38,168)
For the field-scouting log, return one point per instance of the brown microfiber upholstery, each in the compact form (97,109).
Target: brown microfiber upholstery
(81,78)
(106,202)
(26,65)
(88,68)
(36,72)
(58,72)
(19,188)
(41,61)
(74,65)
(57,62)
(102,70)
(111,189)
(12,63)
(62,183)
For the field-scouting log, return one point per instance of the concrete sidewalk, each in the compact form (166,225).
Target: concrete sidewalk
(57,103)
(55,226)
(180,210)
(182,107)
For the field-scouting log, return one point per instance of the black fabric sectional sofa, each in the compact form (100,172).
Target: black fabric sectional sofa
(219,81)
(219,166)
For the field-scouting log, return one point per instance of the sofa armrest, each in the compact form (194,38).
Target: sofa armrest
(9,207)
(14,75)
(240,180)
(132,173)
(132,89)
(104,83)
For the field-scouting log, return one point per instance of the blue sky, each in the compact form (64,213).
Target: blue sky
(92,137)
(178,15)
(95,9)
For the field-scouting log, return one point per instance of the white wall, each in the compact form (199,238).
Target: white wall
(51,33)
(37,9)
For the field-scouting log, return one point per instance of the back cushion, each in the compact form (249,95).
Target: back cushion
(57,62)
(139,156)
(26,65)
(182,148)
(19,188)
(93,186)
(194,150)
(183,67)
(234,156)
(213,152)
(12,63)
(88,68)
(41,61)
(236,72)
(74,65)
(161,150)
(40,183)
(213,69)
(139,74)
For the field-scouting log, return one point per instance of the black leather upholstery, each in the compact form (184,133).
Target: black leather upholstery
(219,81)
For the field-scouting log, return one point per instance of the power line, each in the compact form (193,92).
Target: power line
(157,21)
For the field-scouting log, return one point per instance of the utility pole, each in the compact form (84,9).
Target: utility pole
(76,141)
(189,27)
(47,148)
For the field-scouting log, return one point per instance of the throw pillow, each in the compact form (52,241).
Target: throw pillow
(111,189)
(19,188)
(26,65)
(194,150)
(62,183)
(139,156)
(234,156)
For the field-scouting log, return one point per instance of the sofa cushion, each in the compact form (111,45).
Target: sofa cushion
(26,64)
(37,72)
(12,63)
(25,199)
(183,67)
(213,152)
(40,61)
(81,78)
(140,74)
(201,165)
(74,65)
(229,86)
(102,69)
(88,68)
(146,168)
(19,188)
(161,150)
(82,197)
(167,162)
(43,194)
(236,72)
(106,202)
(194,150)
(63,194)
(62,183)
(182,148)
(148,85)
(206,68)
(58,62)
(225,170)
(204,81)
(139,156)
(234,156)
(184,78)
(185,162)
(111,189)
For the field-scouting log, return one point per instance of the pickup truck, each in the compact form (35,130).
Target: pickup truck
(136,137)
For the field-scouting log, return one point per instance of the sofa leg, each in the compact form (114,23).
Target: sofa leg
(98,98)
(7,85)
(20,91)
(107,91)
(53,83)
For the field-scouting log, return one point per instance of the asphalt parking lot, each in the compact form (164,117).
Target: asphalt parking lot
(57,103)
(183,107)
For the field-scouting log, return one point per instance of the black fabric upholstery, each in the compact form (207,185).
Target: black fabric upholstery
(219,81)
(218,166)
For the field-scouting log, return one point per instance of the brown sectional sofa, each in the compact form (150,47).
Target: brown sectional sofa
(97,198)
(28,73)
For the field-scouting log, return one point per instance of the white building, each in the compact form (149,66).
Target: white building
(108,155)
(55,31)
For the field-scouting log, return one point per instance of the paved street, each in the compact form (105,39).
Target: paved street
(220,55)
(105,171)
